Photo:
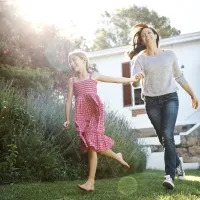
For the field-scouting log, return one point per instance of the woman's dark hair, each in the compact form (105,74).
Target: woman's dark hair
(137,44)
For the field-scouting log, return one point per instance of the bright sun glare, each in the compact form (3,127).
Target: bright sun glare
(192,178)
(61,13)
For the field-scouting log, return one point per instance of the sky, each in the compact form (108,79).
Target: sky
(83,15)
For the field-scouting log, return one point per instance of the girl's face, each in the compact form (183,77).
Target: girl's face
(77,63)
(148,36)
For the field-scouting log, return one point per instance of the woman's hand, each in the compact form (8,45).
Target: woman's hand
(195,102)
(66,125)
(137,77)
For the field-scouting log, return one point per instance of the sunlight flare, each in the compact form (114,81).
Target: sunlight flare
(70,17)
(192,178)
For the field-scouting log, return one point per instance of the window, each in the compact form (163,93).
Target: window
(137,96)
(127,89)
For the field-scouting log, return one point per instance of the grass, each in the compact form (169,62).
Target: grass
(140,186)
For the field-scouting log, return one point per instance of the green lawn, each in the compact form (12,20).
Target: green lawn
(140,186)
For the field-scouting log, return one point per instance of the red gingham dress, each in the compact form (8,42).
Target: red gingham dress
(89,116)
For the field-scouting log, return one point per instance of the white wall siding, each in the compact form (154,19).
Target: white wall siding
(187,49)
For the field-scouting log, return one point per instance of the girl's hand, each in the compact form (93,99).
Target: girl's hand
(137,77)
(66,125)
(195,102)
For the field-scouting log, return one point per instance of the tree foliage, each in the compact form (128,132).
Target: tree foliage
(25,46)
(22,43)
(114,28)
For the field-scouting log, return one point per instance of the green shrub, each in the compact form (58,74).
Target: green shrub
(34,124)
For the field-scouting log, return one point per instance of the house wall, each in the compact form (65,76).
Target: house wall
(110,61)
(112,94)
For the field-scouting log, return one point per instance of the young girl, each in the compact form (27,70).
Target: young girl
(89,113)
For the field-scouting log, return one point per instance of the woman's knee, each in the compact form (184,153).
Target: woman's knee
(168,141)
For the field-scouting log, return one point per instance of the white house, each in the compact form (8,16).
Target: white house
(126,99)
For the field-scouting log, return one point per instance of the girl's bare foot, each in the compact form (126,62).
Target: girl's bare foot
(88,186)
(121,160)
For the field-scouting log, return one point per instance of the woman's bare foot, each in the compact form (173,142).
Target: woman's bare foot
(88,186)
(121,160)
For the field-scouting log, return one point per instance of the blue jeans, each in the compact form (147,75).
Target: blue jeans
(162,112)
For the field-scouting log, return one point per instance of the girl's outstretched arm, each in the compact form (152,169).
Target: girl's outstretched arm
(68,103)
(110,79)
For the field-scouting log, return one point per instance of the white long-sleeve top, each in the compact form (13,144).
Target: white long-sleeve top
(160,73)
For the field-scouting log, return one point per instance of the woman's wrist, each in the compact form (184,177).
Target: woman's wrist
(192,96)
(135,81)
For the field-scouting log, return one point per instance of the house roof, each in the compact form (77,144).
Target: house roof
(163,42)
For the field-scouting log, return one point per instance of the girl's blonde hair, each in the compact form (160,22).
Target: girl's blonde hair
(81,54)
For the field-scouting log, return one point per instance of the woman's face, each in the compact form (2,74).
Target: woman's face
(148,36)
(77,63)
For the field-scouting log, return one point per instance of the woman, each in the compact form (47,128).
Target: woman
(157,68)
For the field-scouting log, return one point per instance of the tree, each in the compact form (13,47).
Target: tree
(115,27)
(34,57)
(22,45)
